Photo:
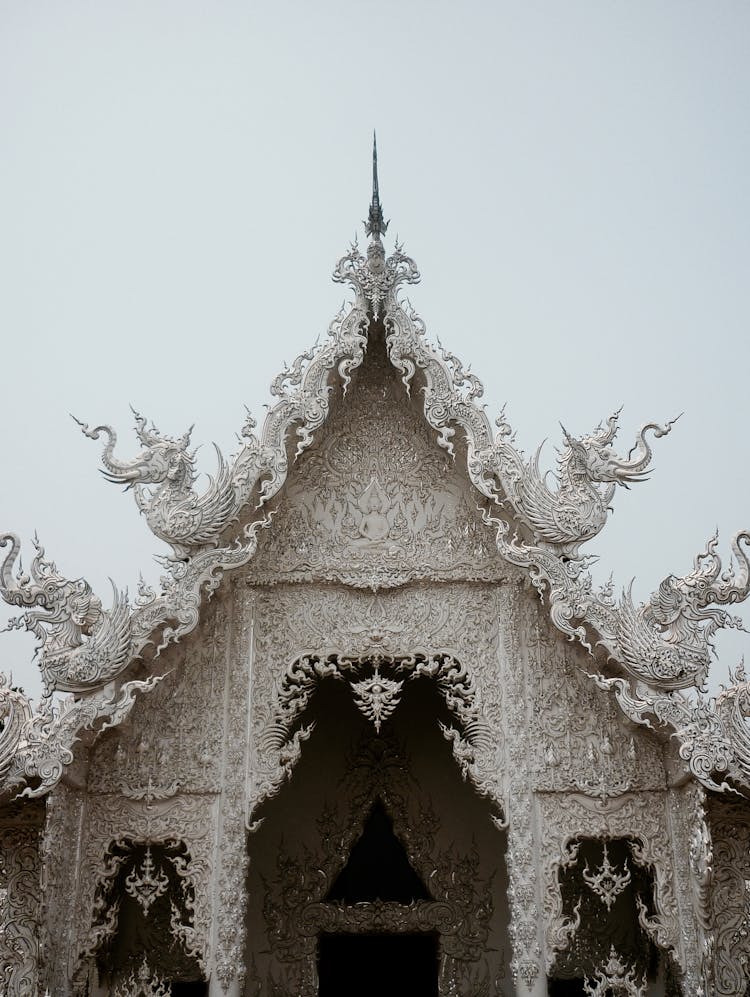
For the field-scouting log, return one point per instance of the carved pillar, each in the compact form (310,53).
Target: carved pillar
(526,928)
(61,846)
(20,893)
(233,643)
(691,851)
(729,824)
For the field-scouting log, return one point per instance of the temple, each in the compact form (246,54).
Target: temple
(378,731)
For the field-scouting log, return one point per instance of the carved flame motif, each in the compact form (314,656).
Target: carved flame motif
(145,887)
(377,697)
(143,982)
(605,881)
(615,979)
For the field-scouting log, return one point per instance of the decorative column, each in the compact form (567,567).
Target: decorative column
(729,825)
(20,894)
(233,642)
(692,858)
(526,927)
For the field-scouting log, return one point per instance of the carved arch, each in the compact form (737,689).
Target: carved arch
(567,820)
(376,681)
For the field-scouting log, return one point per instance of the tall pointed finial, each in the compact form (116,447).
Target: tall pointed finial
(375,224)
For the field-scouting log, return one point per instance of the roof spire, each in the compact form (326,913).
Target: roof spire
(375,226)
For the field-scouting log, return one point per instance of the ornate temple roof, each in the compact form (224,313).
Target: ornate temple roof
(653,657)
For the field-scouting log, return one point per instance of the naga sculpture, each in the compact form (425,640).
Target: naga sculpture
(667,641)
(82,646)
(174,511)
(576,510)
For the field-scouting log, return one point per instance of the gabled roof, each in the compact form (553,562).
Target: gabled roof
(646,654)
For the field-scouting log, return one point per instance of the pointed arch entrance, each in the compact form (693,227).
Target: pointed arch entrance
(376,851)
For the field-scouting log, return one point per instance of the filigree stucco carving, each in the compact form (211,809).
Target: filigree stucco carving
(163,477)
(161,740)
(376,505)
(414,626)
(692,864)
(377,696)
(663,644)
(729,822)
(566,818)
(527,964)
(375,502)
(160,924)
(60,840)
(20,894)
(588,473)
(579,742)
(81,645)
(142,818)
(615,978)
(230,906)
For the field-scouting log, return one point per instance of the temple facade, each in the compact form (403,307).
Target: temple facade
(378,731)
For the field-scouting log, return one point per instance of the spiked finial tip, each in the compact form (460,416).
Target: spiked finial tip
(375,225)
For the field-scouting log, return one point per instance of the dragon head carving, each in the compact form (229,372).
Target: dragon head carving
(594,459)
(565,514)
(82,646)
(164,459)
(667,641)
(163,476)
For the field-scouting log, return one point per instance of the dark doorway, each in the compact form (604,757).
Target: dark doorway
(378,867)
(374,965)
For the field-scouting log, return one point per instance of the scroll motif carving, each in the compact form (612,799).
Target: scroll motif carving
(61,838)
(729,821)
(166,822)
(174,511)
(527,962)
(588,472)
(615,978)
(232,858)
(160,924)
(377,696)
(376,502)
(20,872)
(605,881)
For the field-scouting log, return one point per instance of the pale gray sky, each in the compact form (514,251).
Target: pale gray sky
(177,180)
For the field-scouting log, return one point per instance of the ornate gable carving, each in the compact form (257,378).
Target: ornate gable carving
(375,502)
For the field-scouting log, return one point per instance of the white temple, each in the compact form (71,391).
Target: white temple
(378,732)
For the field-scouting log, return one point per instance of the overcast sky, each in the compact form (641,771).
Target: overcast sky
(177,180)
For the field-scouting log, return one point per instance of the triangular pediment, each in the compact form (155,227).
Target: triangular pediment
(375,501)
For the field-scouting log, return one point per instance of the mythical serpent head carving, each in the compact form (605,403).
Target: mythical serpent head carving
(82,646)
(588,472)
(162,459)
(667,642)
(163,475)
